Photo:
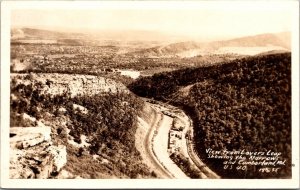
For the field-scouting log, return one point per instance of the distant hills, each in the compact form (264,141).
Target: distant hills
(31,33)
(250,45)
(39,36)
(157,44)
(108,36)
(282,39)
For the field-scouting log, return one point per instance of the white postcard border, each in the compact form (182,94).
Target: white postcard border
(7,6)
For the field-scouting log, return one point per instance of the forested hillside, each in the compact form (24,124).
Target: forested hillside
(98,130)
(244,104)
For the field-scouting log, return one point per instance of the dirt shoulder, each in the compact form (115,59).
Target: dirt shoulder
(143,141)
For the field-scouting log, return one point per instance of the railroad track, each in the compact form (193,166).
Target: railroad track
(196,159)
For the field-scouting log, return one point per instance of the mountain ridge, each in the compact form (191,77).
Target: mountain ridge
(257,43)
(241,105)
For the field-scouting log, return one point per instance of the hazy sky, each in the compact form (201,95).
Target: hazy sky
(194,23)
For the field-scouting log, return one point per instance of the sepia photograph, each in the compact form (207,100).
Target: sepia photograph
(99,91)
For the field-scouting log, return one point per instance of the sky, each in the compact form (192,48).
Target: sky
(193,23)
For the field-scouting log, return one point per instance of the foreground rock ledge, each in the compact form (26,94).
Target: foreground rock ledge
(32,154)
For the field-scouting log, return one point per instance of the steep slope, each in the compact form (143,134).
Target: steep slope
(244,105)
(94,118)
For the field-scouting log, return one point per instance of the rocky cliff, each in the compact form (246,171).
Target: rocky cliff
(33,155)
(50,129)
(56,84)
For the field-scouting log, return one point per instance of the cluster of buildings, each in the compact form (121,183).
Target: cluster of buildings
(176,136)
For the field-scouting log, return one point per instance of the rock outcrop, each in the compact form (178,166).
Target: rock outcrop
(40,127)
(24,137)
(32,154)
(80,108)
(73,84)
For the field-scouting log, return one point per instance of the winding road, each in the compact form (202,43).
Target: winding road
(160,148)
(155,144)
(148,144)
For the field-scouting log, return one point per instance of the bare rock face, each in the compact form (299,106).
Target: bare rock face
(55,84)
(32,154)
(24,137)
(80,108)
(60,156)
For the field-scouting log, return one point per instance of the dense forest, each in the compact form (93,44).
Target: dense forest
(243,104)
(109,125)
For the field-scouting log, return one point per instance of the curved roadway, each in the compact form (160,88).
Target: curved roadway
(156,144)
(148,144)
